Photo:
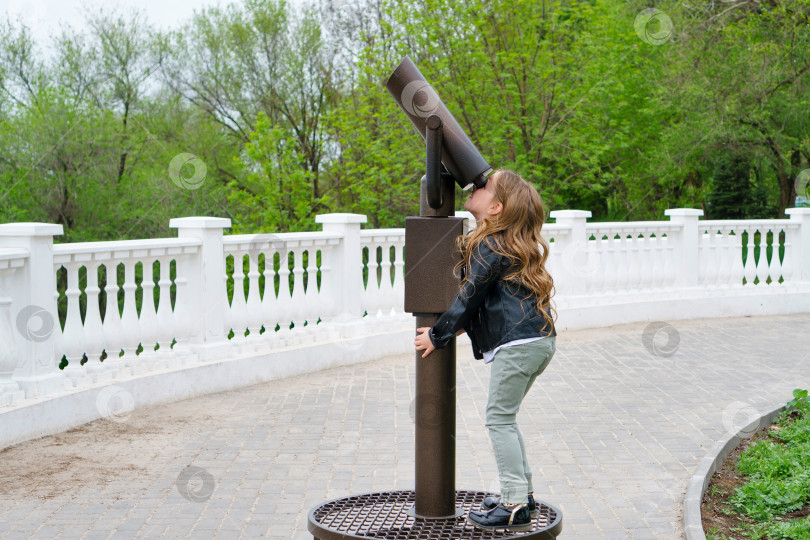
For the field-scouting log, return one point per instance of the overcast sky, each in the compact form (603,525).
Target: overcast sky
(44,16)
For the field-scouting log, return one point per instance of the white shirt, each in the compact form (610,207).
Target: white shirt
(489,356)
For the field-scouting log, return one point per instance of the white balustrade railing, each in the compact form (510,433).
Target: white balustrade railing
(384,251)
(100,348)
(12,268)
(275,286)
(78,314)
(749,252)
(629,256)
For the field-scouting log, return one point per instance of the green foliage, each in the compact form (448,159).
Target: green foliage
(764,497)
(779,474)
(731,188)
(799,401)
(286,108)
(797,529)
(275,191)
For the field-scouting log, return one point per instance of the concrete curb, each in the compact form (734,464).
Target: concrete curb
(692,519)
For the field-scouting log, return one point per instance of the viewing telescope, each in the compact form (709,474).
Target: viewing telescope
(449,150)
(434,508)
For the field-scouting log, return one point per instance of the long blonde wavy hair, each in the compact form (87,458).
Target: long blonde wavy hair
(515,232)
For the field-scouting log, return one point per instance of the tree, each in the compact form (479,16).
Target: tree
(747,83)
(542,89)
(731,193)
(124,65)
(284,113)
(272,168)
(82,145)
(241,61)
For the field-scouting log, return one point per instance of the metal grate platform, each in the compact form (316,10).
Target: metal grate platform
(384,515)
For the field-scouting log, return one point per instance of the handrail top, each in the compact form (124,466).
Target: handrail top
(124,245)
(634,225)
(231,239)
(13,253)
(751,222)
(376,232)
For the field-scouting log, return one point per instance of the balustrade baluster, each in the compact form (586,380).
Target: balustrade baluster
(284,298)
(239,313)
(737,270)
(621,270)
(644,268)
(73,336)
(762,261)
(656,262)
(724,254)
(148,318)
(399,278)
(329,289)
(750,269)
(10,392)
(703,256)
(93,330)
(608,268)
(776,265)
(165,321)
(312,295)
(788,268)
(269,307)
(588,266)
(298,309)
(386,287)
(129,319)
(112,325)
(375,280)
(713,256)
(370,293)
(182,319)
(254,303)
(633,274)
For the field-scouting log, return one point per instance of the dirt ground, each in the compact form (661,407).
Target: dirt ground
(103,451)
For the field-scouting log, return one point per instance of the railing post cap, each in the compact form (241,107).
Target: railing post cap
(31,229)
(557,214)
(341,218)
(683,212)
(802,211)
(200,222)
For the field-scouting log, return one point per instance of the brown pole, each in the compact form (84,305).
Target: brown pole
(435,429)
(435,406)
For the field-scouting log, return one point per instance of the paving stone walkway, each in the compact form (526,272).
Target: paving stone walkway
(615,427)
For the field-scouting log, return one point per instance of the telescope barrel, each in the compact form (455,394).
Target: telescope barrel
(418,100)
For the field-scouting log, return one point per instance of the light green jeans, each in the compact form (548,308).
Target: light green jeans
(514,370)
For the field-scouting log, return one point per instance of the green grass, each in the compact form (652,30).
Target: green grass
(778,478)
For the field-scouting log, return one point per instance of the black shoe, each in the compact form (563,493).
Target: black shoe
(491,502)
(510,518)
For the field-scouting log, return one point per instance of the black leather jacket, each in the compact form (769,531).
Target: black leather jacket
(492,311)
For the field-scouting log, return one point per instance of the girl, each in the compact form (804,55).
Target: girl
(504,305)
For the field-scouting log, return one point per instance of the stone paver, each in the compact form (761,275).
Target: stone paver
(614,432)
